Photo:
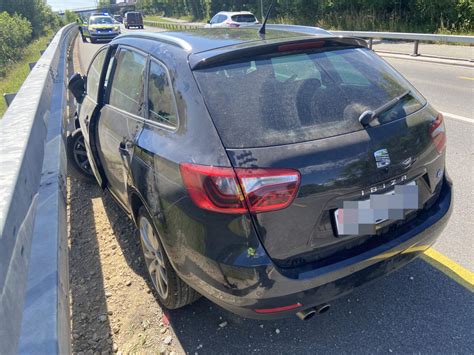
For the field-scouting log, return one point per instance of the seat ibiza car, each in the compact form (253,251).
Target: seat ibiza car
(270,173)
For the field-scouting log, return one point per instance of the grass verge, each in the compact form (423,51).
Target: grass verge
(17,72)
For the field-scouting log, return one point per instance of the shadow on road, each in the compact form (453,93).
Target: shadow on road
(415,309)
(90,324)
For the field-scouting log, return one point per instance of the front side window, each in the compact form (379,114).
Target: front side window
(161,102)
(93,75)
(127,84)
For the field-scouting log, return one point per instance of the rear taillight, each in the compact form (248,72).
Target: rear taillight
(227,190)
(438,133)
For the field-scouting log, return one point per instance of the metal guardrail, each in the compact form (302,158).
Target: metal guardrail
(415,37)
(34,305)
(172,25)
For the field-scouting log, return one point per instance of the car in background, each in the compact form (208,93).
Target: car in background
(232,19)
(133,19)
(270,173)
(102,27)
(118,18)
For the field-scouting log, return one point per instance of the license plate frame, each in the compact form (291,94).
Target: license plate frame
(377,223)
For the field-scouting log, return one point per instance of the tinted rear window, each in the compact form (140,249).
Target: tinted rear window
(243,18)
(134,16)
(291,98)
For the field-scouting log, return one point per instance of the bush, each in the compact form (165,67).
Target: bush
(15,34)
(39,14)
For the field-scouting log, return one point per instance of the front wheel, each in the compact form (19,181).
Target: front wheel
(172,291)
(78,163)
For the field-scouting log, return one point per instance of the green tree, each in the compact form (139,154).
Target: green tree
(15,33)
(70,16)
(37,12)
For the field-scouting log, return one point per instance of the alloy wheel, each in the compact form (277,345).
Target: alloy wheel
(80,155)
(154,257)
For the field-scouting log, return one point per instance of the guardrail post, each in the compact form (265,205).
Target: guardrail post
(415,49)
(370,42)
(9,98)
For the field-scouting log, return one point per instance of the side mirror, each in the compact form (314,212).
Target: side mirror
(209,22)
(77,87)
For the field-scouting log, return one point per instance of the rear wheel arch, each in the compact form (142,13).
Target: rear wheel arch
(136,203)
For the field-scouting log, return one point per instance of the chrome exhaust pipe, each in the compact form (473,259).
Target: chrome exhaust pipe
(306,314)
(322,308)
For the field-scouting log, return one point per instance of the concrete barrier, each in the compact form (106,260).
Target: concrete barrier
(34,309)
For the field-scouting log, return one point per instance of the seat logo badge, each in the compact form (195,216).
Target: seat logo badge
(382,159)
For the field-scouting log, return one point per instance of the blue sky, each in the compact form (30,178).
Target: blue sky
(70,4)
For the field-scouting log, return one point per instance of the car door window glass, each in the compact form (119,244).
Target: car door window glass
(161,102)
(127,85)
(93,75)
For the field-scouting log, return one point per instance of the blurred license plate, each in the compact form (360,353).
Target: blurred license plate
(365,217)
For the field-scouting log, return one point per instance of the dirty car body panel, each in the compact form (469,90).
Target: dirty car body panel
(256,260)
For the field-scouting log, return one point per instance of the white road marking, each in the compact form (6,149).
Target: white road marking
(459,118)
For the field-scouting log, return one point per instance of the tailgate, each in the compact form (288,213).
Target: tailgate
(299,108)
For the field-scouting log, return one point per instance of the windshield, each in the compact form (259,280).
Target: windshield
(289,98)
(102,20)
(243,18)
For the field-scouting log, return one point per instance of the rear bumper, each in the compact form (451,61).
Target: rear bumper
(242,290)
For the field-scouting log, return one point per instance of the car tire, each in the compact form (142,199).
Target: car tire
(172,292)
(78,163)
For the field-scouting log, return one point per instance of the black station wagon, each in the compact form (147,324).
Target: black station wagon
(270,173)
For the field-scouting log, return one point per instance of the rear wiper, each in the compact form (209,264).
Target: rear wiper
(368,116)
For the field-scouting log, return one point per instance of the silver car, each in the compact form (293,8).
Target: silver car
(232,19)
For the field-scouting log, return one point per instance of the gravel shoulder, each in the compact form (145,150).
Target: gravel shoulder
(112,305)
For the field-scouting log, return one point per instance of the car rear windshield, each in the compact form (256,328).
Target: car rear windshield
(290,98)
(134,16)
(243,18)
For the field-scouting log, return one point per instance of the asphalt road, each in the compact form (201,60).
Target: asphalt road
(415,309)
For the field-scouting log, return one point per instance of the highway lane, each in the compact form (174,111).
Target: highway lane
(416,309)
(87,50)
(448,88)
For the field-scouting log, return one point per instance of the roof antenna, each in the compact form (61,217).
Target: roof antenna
(262,28)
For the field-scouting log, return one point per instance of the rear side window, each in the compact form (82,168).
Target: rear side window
(161,102)
(290,98)
(243,18)
(127,89)
(93,75)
